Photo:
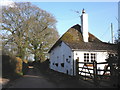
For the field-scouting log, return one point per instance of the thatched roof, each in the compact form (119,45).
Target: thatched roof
(74,39)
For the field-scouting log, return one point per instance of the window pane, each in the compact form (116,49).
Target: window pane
(87,57)
(93,57)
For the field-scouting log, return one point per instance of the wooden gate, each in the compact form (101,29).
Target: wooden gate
(89,71)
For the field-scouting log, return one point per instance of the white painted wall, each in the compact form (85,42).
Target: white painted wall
(100,56)
(59,55)
(62,52)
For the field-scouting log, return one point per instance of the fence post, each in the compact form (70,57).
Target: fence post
(77,67)
(95,72)
(113,71)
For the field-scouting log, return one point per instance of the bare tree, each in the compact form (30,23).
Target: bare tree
(30,29)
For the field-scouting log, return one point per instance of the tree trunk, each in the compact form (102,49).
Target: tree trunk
(21,52)
(35,57)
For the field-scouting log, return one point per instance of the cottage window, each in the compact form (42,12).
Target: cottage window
(86,57)
(93,57)
(89,57)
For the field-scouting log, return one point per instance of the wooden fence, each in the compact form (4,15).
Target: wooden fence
(89,71)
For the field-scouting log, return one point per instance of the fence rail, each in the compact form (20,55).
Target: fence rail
(89,70)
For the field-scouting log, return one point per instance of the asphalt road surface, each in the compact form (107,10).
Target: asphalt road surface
(33,79)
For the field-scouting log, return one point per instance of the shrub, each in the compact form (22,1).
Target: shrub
(12,67)
(18,68)
(9,66)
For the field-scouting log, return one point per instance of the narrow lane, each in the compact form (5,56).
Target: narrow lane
(33,79)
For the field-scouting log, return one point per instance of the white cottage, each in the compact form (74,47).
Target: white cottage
(78,44)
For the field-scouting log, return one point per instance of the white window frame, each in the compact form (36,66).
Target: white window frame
(90,57)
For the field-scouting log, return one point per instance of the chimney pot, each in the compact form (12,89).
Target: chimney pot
(83,11)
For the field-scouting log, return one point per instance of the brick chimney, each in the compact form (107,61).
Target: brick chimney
(84,25)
